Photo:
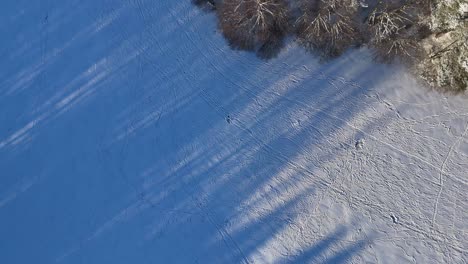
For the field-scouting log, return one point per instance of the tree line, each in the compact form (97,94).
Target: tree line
(392,29)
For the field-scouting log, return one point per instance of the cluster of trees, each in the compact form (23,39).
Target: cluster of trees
(393,29)
(329,27)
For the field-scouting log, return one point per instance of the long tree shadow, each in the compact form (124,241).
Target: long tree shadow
(319,252)
(161,141)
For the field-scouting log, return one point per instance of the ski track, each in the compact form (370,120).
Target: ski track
(155,142)
(441,171)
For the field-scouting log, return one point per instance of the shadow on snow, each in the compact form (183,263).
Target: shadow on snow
(131,133)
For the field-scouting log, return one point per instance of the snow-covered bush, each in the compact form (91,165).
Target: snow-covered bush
(446,65)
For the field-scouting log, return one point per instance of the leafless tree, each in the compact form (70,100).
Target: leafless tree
(396,28)
(328,26)
(250,24)
(393,28)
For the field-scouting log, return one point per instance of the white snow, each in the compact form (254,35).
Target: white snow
(131,133)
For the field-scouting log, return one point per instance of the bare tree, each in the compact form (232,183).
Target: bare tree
(396,28)
(404,29)
(328,26)
(250,24)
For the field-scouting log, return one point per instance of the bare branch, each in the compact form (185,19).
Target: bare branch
(249,24)
(328,26)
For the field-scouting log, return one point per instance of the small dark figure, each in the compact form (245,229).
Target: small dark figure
(228,119)
(205,4)
(359,144)
(394,219)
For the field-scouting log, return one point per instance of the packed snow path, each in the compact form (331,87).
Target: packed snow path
(131,133)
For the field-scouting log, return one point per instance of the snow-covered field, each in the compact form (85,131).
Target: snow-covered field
(131,133)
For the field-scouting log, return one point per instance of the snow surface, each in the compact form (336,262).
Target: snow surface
(131,133)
